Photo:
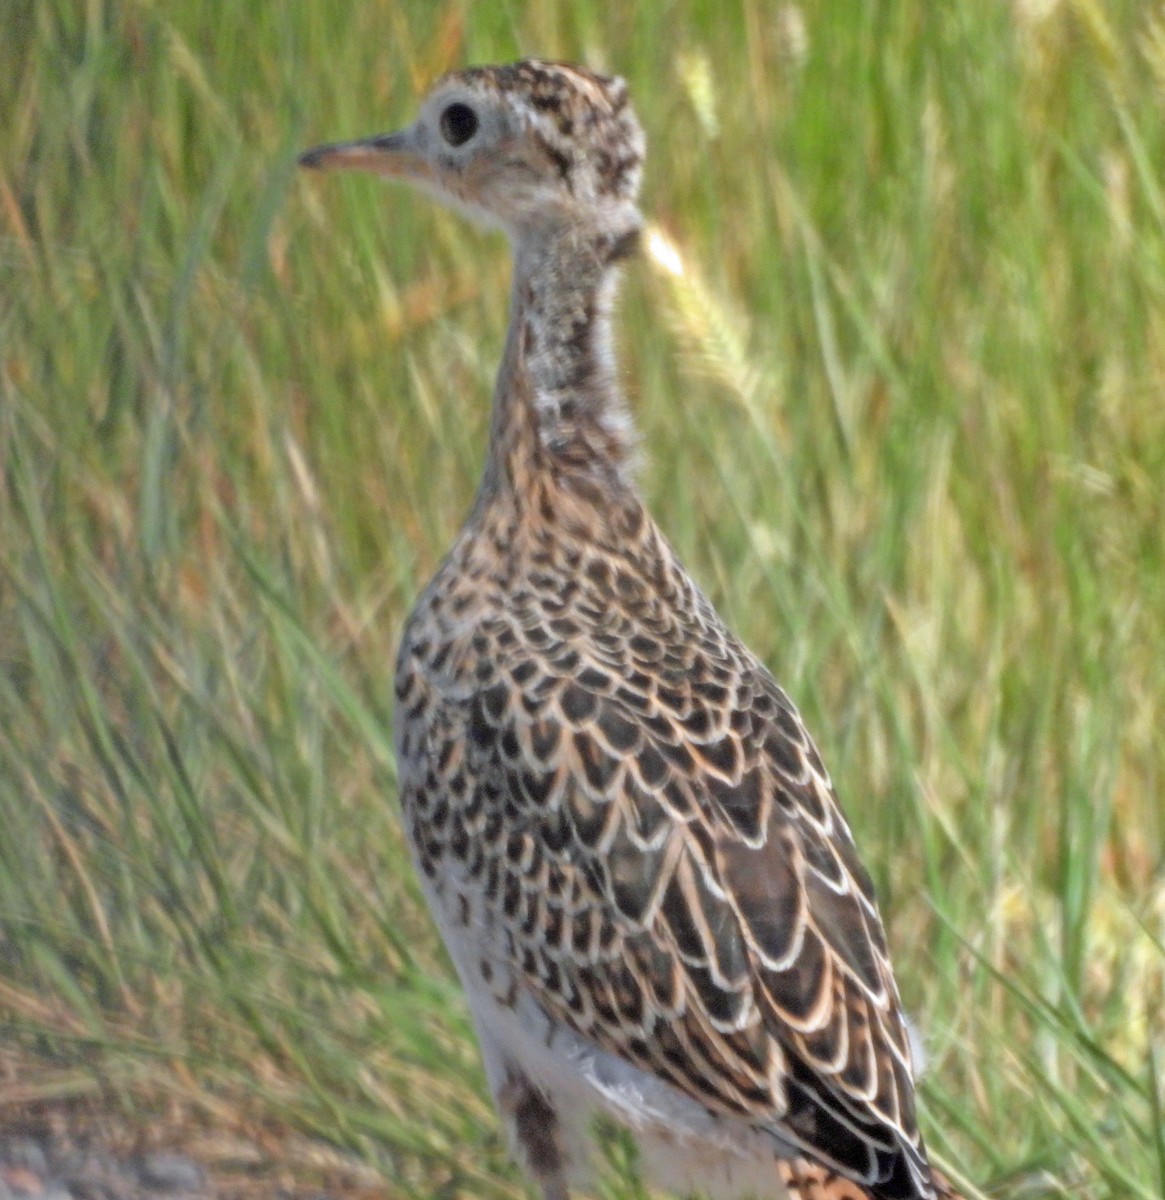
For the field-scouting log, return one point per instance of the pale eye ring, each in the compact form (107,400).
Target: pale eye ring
(458,123)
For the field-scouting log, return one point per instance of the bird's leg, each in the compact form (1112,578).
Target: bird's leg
(535,1127)
(554,1189)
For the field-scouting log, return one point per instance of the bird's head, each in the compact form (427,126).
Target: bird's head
(535,147)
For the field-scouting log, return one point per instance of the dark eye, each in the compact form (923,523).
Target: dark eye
(458,124)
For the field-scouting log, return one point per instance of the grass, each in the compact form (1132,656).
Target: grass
(900,376)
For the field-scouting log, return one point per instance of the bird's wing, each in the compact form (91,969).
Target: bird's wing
(679,885)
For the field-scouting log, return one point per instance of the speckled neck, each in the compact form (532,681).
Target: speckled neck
(558,405)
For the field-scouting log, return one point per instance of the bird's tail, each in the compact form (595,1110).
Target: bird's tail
(806,1180)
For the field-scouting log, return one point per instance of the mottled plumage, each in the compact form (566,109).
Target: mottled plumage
(627,837)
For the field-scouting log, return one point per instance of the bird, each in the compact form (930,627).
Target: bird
(626,835)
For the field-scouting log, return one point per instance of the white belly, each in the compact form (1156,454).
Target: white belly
(682,1147)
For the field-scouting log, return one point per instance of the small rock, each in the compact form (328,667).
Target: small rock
(20,1182)
(91,1189)
(23,1152)
(170,1173)
(24,1183)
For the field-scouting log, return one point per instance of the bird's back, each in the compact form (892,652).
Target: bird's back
(622,816)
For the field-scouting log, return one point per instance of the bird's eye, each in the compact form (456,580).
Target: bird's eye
(458,124)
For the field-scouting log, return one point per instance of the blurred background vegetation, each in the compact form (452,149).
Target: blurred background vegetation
(898,358)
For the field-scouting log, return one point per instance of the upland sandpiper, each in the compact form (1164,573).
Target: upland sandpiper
(625,833)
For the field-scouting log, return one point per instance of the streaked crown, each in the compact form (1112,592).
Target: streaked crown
(583,123)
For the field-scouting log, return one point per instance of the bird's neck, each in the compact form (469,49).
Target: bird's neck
(558,406)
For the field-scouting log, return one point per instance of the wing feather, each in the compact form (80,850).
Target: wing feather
(651,829)
(746,960)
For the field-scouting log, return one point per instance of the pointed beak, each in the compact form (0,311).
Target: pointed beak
(393,155)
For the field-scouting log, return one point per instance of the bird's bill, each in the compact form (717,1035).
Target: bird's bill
(390,154)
